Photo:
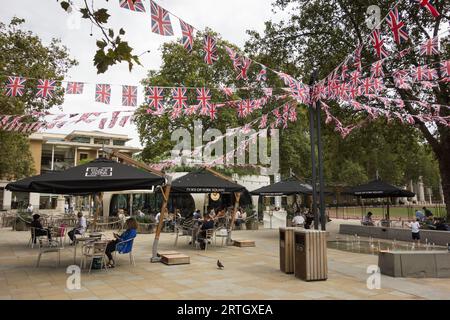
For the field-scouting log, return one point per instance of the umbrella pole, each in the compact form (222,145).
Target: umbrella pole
(237,195)
(162,214)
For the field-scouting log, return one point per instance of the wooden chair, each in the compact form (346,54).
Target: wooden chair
(93,250)
(48,246)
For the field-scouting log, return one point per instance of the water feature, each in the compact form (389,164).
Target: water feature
(356,245)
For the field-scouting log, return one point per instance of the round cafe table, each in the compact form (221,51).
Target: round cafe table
(84,239)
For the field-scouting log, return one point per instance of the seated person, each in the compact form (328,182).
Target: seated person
(298,220)
(80,228)
(239,217)
(419,215)
(367,220)
(129,233)
(207,224)
(428,213)
(39,229)
(309,219)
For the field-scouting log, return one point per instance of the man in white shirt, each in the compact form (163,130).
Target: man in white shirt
(80,228)
(157,217)
(30,208)
(298,220)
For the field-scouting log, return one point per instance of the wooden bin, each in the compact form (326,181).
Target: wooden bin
(311,255)
(244,243)
(175,259)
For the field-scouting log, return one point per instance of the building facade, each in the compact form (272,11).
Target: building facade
(55,152)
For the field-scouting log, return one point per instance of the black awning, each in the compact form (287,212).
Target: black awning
(100,175)
(203,181)
(284,188)
(380,189)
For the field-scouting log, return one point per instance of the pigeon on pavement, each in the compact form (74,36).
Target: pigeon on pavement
(220,265)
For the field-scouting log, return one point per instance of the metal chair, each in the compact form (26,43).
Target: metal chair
(47,246)
(184,230)
(35,237)
(207,238)
(93,250)
(119,251)
(221,232)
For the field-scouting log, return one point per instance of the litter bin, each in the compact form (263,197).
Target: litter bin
(310,255)
(287,249)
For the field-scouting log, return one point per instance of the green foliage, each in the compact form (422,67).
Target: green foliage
(24,54)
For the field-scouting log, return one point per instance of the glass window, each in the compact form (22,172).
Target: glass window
(81,139)
(83,156)
(101,141)
(119,142)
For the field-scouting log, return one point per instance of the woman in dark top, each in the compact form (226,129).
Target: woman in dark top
(39,230)
(207,224)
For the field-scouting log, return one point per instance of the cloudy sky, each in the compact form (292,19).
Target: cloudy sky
(230,18)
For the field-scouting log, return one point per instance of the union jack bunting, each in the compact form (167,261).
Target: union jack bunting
(401,79)
(429,4)
(228,91)
(115,117)
(241,109)
(133,5)
(191,110)
(354,77)
(176,113)
(430,47)
(292,114)
(354,92)
(344,91)
(299,92)
(74,88)
(210,49)
(445,68)
(204,98)
(377,84)
(420,73)
(268,92)
(179,97)
(357,58)
(367,86)
(404,52)
(187,38)
(124,120)
(377,69)
(15,86)
(160,20)
(431,74)
(378,44)
(397,26)
(262,75)
(287,79)
(155,100)
(213,111)
(263,122)
(103,93)
(129,96)
(234,57)
(245,65)
(46,88)
(344,70)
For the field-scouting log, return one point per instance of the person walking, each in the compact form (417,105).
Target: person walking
(415,229)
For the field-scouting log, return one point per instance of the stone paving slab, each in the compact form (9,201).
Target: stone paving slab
(249,273)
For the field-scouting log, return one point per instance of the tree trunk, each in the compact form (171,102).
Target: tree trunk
(444,166)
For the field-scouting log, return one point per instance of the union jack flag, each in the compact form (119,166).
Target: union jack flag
(268,92)
(344,70)
(401,80)
(377,69)
(155,100)
(228,91)
(344,91)
(213,111)
(160,20)
(377,84)
(378,44)
(244,66)
(299,92)
(262,75)
(204,98)
(180,98)
(189,111)
(74,88)
(114,118)
(133,5)
(357,58)
(234,57)
(429,4)
(354,77)
(187,35)
(101,124)
(420,73)
(430,47)
(176,113)
(431,74)
(397,26)
(241,109)
(129,96)
(367,86)
(293,114)
(210,50)
(15,86)
(46,88)
(445,68)
(263,122)
(103,93)
(124,120)
(404,52)
(354,92)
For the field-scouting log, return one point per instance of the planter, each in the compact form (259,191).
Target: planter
(145,228)
(21,226)
(252,225)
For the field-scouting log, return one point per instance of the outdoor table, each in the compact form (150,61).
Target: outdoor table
(84,239)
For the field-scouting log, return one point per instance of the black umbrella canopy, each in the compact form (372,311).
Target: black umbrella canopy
(380,189)
(100,175)
(203,181)
(284,188)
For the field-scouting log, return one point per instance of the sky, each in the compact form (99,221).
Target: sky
(230,18)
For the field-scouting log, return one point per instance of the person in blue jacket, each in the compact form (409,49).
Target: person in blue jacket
(129,233)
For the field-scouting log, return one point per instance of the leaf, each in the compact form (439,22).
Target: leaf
(101,44)
(121,31)
(85,13)
(101,15)
(111,33)
(65,5)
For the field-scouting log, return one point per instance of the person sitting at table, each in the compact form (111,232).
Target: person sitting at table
(207,224)
(39,230)
(298,220)
(130,233)
(80,228)
(239,217)
(367,220)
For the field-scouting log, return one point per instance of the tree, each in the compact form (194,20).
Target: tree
(322,33)
(24,54)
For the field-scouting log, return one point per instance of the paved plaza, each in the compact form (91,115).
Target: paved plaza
(250,273)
